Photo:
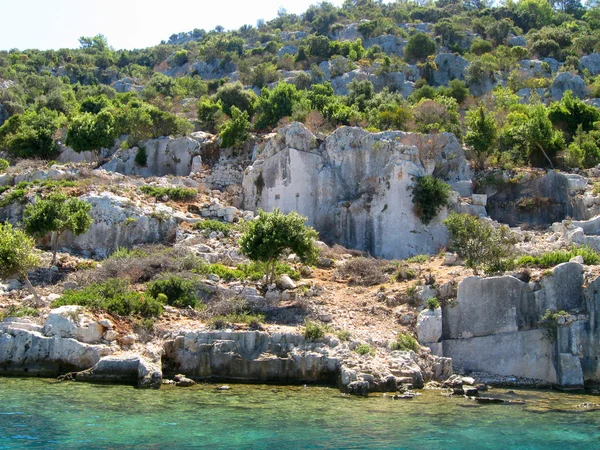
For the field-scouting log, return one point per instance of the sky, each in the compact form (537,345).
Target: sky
(127,24)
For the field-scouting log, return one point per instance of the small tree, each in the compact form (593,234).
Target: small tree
(270,234)
(17,255)
(479,243)
(57,214)
(419,46)
(482,131)
(234,132)
(89,132)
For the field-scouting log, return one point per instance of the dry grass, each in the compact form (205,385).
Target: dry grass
(364,271)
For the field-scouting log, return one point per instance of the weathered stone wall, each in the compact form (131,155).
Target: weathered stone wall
(355,187)
(496,326)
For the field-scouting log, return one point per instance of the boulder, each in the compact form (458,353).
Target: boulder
(30,353)
(591,63)
(450,66)
(566,81)
(74,322)
(517,41)
(164,156)
(287,50)
(119,222)
(124,369)
(429,326)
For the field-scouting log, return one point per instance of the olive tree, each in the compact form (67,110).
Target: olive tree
(17,255)
(56,214)
(270,234)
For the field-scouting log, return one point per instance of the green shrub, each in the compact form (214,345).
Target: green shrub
(433,303)
(314,331)
(556,257)
(343,335)
(479,243)
(419,46)
(141,157)
(430,195)
(179,291)
(177,194)
(364,349)
(124,253)
(481,46)
(114,296)
(234,132)
(210,225)
(21,311)
(405,342)
(4,164)
(13,196)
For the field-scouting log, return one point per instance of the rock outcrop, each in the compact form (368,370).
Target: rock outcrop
(566,81)
(164,156)
(123,369)
(500,325)
(355,187)
(289,357)
(119,222)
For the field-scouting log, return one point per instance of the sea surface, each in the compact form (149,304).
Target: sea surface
(37,413)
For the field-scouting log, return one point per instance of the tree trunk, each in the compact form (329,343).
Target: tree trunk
(31,290)
(54,246)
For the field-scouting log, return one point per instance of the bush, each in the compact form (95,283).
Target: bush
(178,291)
(234,132)
(479,243)
(314,331)
(430,195)
(363,271)
(419,46)
(4,164)
(234,94)
(556,257)
(114,296)
(364,349)
(275,104)
(177,194)
(433,303)
(481,46)
(209,225)
(405,342)
(91,132)
(31,134)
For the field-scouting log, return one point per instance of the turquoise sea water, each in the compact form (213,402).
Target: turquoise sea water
(44,414)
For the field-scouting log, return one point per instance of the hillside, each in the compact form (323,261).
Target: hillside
(447,155)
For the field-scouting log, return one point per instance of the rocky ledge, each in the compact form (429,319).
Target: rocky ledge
(74,344)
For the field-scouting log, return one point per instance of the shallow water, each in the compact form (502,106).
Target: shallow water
(38,413)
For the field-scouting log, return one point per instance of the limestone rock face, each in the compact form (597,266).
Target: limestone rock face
(429,326)
(250,356)
(165,156)
(391,45)
(24,352)
(449,67)
(119,222)
(124,369)
(355,186)
(517,41)
(565,81)
(72,321)
(497,325)
(591,63)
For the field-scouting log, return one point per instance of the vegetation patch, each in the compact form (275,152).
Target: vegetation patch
(114,296)
(405,342)
(556,257)
(177,194)
(430,195)
(176,290)
(210,225)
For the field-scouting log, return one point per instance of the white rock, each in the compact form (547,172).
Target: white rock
(72,321)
